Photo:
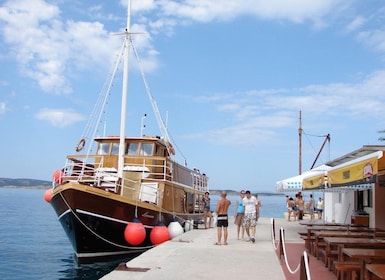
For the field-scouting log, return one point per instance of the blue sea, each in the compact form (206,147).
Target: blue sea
(34,245)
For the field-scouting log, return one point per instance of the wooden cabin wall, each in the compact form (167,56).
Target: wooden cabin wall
(379,205)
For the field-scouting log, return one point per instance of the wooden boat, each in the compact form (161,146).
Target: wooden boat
(121,181)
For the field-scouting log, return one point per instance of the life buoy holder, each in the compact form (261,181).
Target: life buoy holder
(80,145)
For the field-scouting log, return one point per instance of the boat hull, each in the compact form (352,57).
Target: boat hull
(95,220)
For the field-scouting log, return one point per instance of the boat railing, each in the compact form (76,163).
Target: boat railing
(101,171)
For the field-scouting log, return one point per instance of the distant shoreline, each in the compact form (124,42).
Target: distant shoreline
(212,192)
(26,187)
(232,192)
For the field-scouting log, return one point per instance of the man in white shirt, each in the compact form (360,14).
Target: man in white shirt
(250,218)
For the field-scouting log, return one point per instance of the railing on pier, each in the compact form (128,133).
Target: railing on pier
(302,267)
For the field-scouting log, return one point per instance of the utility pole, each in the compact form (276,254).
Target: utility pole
(300,144)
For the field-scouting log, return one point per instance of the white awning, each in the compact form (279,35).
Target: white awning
(294,184)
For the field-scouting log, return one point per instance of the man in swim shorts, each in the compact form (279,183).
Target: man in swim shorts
(223,219)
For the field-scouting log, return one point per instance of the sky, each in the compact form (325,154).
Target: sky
(230,79)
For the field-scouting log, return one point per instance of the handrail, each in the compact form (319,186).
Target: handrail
(304,263)
(88,169)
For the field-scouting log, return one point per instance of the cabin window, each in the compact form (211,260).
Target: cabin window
(115,149)
(104,148)
(132,148)
(146,149)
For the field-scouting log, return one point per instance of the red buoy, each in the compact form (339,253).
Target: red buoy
(57,176)
(159,234)
(48,195)
(135,232)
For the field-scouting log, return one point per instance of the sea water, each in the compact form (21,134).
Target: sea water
(34,245)
(33,242)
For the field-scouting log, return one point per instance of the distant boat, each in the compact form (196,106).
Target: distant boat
(121,181)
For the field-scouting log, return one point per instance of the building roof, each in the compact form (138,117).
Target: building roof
(365,150)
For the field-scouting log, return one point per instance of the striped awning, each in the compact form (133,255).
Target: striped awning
(292,184)
(295,184)
(361,187)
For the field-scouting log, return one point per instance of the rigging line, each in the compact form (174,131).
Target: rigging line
(153,102)
(161,124)
(313,134)
(314,147)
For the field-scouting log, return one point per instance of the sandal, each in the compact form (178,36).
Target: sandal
(216,243)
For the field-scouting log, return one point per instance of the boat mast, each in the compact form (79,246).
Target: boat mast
(300,144)
(124,92)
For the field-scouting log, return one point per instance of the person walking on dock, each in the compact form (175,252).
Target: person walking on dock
(223,219)
(250,218)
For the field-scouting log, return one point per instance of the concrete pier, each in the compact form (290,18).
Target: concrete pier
(193,255)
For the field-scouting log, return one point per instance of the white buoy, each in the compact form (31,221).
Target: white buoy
(175,229)
(188,225)
(215,219)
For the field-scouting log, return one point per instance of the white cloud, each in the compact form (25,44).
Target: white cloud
(254,116)
(3,108)
(206,11)
(47,48)
(356,23)
(373,38)
(50,47)
(59,117)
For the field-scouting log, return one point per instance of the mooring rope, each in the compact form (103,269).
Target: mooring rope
(99,236)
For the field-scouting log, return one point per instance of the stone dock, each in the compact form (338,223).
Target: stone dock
(194,255)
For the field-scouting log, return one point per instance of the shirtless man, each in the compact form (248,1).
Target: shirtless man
(223,219)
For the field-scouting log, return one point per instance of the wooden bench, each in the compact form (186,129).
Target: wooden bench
(347,270)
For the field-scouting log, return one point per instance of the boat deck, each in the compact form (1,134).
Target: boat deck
(193,255)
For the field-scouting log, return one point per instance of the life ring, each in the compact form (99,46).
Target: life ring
(80,145)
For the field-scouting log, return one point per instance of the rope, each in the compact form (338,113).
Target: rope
(307,268)
(285,255)
(275,244)
(106,240)
(96,234)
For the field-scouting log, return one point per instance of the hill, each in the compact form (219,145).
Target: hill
(24,183)
(232,192)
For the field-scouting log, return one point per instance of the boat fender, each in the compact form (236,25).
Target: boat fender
(188,225)
(175,229)
(159,234)
(57,176)
(80,145)
(48,195)
(215,218)
(135,233)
